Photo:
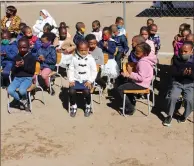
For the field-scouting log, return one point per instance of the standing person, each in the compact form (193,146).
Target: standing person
(155,37)
(182,72)
(11,21)
(120,25)
(64,25)
(150,21)
(96,30)
(23,72)
(80,30)
(44,18)
(82,74)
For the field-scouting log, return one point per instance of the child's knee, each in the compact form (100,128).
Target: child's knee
(22,92)
(10,90)
(86,92)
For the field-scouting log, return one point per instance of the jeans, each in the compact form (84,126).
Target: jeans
(187,90)
(22,84)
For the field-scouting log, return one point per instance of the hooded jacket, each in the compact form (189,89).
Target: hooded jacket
(144,71)
(82,69)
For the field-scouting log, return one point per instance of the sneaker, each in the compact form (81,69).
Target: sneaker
(26,105)
(88,111)
(182,119)
(15,104)
(167,121)
(73,110)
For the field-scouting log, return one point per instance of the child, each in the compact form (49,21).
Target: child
(154,37)
(64,25)
(150,21)
(190,37)
(183,26)
(21,28)
(97,54)
(47,57)
(23,72)
(183,80)
(82,74)
(53,38)
(96,30)
(121,43)
(8,52)
(80,30)
(120,25)
(141,79)
(66,48)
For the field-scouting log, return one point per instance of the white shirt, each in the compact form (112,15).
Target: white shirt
(98,35)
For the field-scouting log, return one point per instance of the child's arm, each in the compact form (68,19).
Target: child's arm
(11,54)
(30,65)
(111,48)
(93,69)
(125,44)
(71,71)
(52,59)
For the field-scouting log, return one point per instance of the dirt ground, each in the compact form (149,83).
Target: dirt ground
(49,137)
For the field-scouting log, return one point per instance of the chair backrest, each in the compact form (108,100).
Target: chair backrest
(98,67)
(58,57)
(106,58)
(37,68)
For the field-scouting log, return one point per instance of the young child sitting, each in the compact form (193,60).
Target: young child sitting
(182,72)
(153,28)
(80,30)
(82,74)
(66,48)
(150,21)
(139,80)
(21,28)
(120,25)
(23,71)
(47,57)
(64,25)
(96,30)
(121,43)
(97,54)
(8,52)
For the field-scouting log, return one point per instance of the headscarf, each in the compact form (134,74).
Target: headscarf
(46,13)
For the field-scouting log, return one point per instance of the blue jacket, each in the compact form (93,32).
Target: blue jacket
(20,35)
(132,57)
(121,43)
(11,51)
(111,48)
(36,47)
(78,37)
(50,56)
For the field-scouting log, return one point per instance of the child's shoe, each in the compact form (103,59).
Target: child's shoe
(73,110)
(88,110)
(26,104)
(182,119)
(167,121)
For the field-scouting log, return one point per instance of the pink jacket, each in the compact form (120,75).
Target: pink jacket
(144,71)
(152,53)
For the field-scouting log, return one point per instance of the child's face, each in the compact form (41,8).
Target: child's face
(63,34)
(45,30)
(144,34)
(45,42)
(82,29)
(92,44)
(62,25)
(149,22)
(6,36)
(95,27)
(83,50)
(139,52)
(185,33)
(28,33)
(120,23)
(186,52)
(153,30)
(23,48)
(106,35)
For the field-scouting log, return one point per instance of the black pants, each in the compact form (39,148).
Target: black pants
(101,80)
(130,98)
(86,94)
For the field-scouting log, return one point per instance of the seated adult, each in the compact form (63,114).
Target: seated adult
(11,22)
(45,17)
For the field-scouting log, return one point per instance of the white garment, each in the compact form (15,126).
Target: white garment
(38,27)
(98,35)
(82,69)
(8,23)
(110,69)
(65,60)
(122,31)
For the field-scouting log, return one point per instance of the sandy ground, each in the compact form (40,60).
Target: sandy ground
(49,137)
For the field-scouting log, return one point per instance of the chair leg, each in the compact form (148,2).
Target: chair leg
(148,100)
(69,105)
(153,97)
(124,100)
(30,101)
(50,88)
(8,104)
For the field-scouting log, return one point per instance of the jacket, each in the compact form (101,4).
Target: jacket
(144,72)
(14,26)
(121,43)
(177,47)
(178,68)
(156,40)
(78,37)
(36,47)
(111,48)
(11,51)
(82,69)
(29,66)
(50,56)
(68,45)
(20,35)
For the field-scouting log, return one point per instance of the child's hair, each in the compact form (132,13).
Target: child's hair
(22,24)
(48,27)
(119,19)
(184,25)
(150,19)
(47,36)
(63,24)
(107,29)
(188,43)
(90,37)
(152,25)
(96,22)
(145,48)
(81,42)
(24,39)
(144,28)
(78,25)
(12,9)
(140,39)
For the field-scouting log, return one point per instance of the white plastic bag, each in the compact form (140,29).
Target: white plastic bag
(110,69)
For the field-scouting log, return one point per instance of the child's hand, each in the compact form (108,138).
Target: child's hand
(129,69)
(41,58)
(187,71)
(88,85)
(71,84)
(105,44)
(19,63)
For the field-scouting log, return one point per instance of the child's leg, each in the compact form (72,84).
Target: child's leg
(72,96)
(13,86)
(118,60)
(173,97)
(188,99)
(100,81)
(87,96)
(45,75)
(26,83)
